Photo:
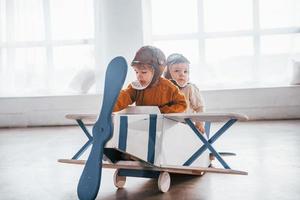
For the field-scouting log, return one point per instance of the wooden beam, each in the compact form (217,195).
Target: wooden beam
(167,168)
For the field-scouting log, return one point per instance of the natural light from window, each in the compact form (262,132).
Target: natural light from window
(45,44)
(167,19)
(219,15)
(232,43)
(38,43)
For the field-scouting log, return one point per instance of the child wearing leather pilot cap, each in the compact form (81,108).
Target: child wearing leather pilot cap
(178,72)
(150,89)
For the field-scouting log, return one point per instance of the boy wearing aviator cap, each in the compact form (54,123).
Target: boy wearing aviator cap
(150,89)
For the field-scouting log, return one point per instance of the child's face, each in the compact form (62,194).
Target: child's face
(144,74)
(180,73)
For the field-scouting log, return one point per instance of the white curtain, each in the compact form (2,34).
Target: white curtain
(44,44)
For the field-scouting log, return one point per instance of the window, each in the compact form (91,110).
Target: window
(43,44)
(279,13)
(232,43)
(229,65)
(220,15)
(167,20)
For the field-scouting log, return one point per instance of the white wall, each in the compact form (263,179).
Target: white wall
(123,27)
(259,103)
(48,110)
(263,103)
(122,32)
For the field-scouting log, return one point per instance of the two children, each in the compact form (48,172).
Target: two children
(150,88)
(153,90)
(178,72)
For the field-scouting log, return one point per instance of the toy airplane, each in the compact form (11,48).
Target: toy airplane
(141,142)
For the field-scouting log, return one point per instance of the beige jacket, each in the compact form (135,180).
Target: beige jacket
(194,99)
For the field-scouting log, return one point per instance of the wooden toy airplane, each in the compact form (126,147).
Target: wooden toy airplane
(128,164)
(141,142)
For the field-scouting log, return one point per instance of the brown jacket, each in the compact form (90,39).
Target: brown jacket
(163,94)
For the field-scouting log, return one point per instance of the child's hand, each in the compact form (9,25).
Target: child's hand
(200,127)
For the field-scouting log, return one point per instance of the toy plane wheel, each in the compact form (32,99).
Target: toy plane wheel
(164,181)
(119,181)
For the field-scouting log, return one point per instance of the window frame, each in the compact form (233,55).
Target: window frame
(10,45)
(256,32)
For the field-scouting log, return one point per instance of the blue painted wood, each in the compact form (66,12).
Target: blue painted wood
(207,128)
(82,149)
(222,130)
(138,173)
(152,138)
(85,130)
(206,143)
(198,153)
(90,179)
(123,132)
(87,144)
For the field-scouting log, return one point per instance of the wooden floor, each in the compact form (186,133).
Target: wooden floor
(268,150)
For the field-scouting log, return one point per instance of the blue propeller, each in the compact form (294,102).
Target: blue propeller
(90,179)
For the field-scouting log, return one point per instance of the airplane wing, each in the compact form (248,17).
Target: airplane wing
(202,117)
(143,165)
(83,117)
